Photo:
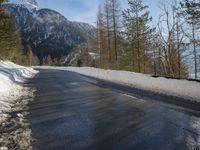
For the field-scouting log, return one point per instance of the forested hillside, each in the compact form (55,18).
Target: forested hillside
(9,37)
(46,32)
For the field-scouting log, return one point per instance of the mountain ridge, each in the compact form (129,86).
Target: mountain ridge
(47,31)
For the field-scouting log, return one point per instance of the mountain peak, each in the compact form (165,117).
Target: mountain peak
(34,2)
(30,4)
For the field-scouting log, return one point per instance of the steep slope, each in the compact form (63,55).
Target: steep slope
(30,4)
(23,2)
(47,31)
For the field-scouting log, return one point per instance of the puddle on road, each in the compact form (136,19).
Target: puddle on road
(15,132)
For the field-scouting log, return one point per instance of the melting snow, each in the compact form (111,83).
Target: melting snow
(28,4)
(11,75)
(180,88)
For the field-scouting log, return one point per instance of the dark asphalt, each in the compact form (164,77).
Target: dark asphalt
(73,112)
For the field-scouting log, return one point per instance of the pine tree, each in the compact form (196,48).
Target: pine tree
(1,2)
(49,61)
(31,58)
(190,10)
(9,38)
(138,33)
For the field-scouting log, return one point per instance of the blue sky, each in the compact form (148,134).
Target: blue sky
(85,10)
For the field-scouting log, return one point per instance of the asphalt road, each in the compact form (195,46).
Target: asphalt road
(73,112)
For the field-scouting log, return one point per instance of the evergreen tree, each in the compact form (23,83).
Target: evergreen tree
(49,61)
(9,38)
(138,33)
(190,10)
(31,58)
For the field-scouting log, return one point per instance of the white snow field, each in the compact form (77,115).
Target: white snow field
(180,88)
(11,75)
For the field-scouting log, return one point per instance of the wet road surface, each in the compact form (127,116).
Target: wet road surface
(73,112)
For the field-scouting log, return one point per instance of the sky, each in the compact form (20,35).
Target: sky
(86,10)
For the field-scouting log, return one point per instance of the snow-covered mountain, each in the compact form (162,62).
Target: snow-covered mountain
(45,30)
(23,2)
(30,4)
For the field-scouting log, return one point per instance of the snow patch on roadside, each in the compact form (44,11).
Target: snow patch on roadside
(11,77)
(180,88)
(15,129)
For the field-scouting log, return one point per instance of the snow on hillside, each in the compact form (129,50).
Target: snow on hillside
(29,4)
(180,88)
(11,75)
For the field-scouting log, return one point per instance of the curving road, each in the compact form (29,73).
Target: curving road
(73,112)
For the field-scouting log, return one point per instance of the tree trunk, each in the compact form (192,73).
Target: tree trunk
(194,48)
(114,29)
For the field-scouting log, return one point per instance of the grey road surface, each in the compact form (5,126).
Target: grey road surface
(73,112)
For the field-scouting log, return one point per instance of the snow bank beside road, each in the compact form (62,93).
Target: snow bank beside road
(180,88)
(11,75)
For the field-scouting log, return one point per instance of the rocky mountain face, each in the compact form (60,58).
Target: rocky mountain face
(32,2)
(24,2)
(47,31)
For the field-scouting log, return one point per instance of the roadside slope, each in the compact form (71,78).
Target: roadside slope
(179,88)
